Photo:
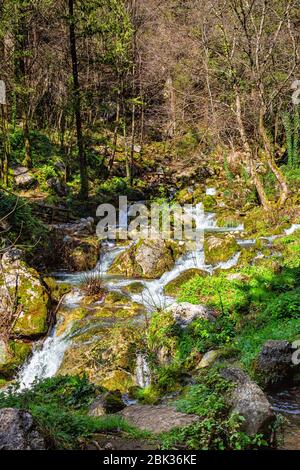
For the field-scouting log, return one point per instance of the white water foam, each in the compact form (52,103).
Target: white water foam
(142,372)
(48,355)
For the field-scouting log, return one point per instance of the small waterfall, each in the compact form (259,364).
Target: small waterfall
(45,360)
(142,372)
(292,229)
(48,355)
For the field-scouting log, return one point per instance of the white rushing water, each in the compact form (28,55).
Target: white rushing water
(45,360)
(142,371)
(48,355)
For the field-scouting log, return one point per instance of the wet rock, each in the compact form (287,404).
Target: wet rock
(85,226)
(220,248)
(134,288)
(109,402)
(157,419)
(248,400)
(184,313)
(274,363)
(24,179)
(12,355)
(18,431)
(106,354)
(148,259)
(74,250)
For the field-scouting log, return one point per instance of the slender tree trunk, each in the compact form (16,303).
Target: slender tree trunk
(22,46)
(6,145)
(247,149)
(77,104)
(284,190)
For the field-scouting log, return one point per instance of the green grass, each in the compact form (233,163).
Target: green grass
(59,406)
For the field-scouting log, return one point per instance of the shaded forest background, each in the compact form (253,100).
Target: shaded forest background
(89,83)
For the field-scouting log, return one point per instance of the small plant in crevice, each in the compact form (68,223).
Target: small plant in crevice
(92,284)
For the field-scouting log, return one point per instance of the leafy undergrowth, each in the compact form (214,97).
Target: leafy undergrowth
(262,302)
(60,406)
(217,429)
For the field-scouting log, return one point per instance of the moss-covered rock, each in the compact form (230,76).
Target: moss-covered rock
(209,203)
(134,288)
(172,288)
(12,356)
(220,248)
(108,358)
(57,289)
(85,255)
(148,259)
(24,285)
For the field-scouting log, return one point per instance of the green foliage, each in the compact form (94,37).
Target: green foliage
(251,339)
(216,291)
(59,405)
(42,149)
(216,430)
(202,335)
(285,305)
(25,227)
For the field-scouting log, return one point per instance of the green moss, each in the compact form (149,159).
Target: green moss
(116,297)
(209,203)
(172,288)
(17,353)
(134,288)
(57,289)
(220,248)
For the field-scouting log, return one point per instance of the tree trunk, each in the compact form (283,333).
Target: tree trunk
(22,46)
(254,176)
(77,105)
(284,190)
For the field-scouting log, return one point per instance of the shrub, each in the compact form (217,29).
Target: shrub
(92,284)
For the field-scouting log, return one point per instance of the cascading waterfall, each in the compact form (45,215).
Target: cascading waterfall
(47,356)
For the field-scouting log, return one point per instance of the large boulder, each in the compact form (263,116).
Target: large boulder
(105,345)
(157,419)
(249,401)
(18,431)
(57,186)
(220,248)
(274,363)
(24,179)
(148,259)
(184,313)
(23,290)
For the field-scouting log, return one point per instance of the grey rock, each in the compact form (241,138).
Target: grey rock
(23,178)
(274,363)
(184,313)
(248,400)
(157,419)
(56,185)
(18,431)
